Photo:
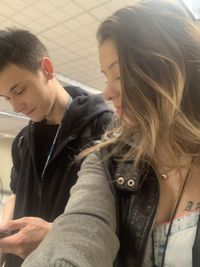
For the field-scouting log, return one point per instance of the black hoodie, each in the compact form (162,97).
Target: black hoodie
(47,197)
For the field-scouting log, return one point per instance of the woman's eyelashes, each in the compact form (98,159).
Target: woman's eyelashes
(113,80)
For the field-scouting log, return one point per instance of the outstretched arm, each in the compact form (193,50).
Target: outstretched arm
(85,234)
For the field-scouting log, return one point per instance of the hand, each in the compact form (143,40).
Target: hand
(2,258)
(30,231)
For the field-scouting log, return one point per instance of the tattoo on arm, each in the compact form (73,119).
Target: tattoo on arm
(189,206)
(192,206)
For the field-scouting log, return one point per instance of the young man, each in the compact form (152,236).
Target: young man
(62,122)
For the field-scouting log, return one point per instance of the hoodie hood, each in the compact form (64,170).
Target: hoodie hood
(83,109)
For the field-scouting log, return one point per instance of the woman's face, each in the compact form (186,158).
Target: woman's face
(109,63)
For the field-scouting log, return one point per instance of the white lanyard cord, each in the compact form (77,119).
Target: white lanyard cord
(54,141)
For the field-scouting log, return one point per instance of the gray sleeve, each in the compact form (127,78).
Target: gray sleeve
(84,236)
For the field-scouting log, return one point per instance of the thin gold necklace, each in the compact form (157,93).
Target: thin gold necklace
(172,218)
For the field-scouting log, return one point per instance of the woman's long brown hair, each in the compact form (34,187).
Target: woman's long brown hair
(158,47)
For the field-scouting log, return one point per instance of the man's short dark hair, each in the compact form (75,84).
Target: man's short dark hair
(22,48)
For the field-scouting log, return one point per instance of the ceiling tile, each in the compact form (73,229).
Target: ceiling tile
(7,10)
(58,15)
(16,4)
(10,24)
(72,24)
(85,32)
(22,18)
(60,3)
(45,6)
(72,9)
(100,12)
(32,12)
(86,19)
(47,22)
(89,4)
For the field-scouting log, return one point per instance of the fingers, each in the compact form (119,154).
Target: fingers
(15,244)
(11,239)
(30,232)
(9,244)
(13,225)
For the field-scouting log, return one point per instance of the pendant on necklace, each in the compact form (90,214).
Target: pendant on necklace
(164,176)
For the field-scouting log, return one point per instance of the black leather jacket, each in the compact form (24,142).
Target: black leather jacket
(137,197)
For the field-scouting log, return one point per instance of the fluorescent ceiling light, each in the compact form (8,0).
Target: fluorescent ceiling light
(193,7)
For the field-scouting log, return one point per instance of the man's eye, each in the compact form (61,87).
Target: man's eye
(20,91)
(118,78)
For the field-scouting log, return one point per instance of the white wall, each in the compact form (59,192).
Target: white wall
(5,161)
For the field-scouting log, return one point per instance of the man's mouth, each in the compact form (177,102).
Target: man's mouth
(29,112)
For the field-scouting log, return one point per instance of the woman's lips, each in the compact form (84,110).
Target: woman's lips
(118,111)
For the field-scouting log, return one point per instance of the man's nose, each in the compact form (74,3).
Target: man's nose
(16,105)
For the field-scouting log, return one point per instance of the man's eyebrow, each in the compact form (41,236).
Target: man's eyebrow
(13,87)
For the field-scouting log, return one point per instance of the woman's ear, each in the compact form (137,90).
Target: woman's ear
(47,67)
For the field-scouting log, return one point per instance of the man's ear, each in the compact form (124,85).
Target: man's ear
(47,67)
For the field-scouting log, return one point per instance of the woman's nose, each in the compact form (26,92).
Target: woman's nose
(108,93)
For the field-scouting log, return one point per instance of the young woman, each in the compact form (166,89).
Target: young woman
(150,55)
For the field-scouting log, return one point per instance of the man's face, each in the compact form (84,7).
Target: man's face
(29,93)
